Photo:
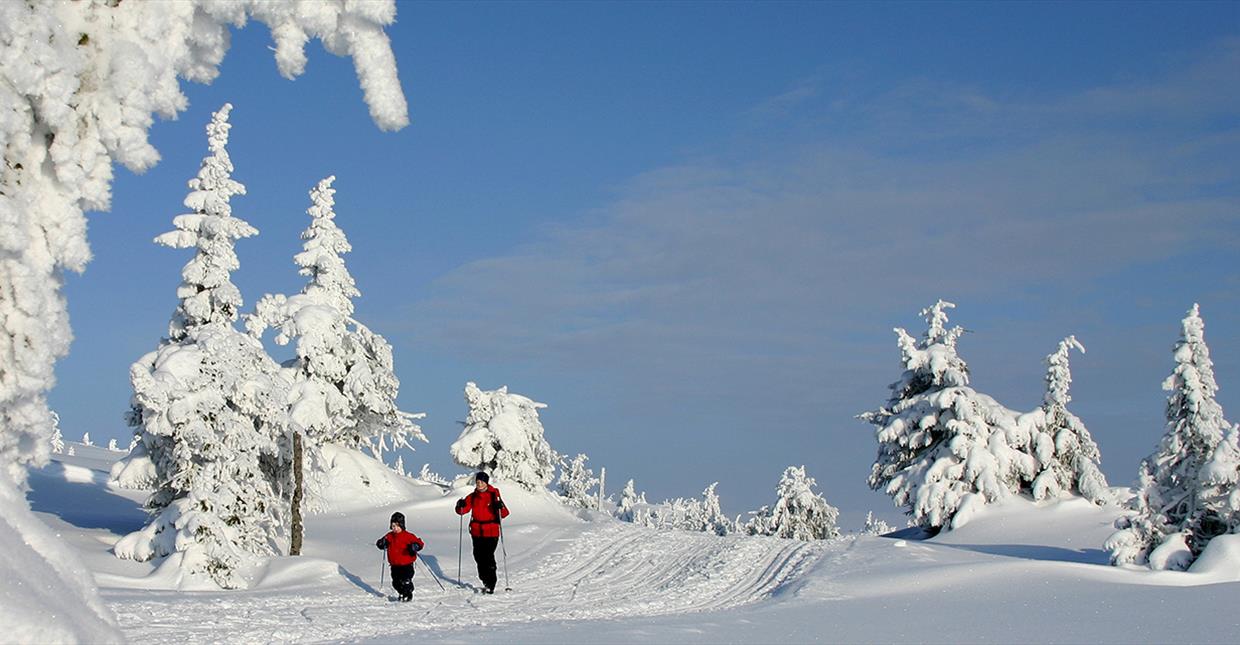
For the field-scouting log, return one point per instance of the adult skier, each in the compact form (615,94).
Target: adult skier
(486,509)
(402,551)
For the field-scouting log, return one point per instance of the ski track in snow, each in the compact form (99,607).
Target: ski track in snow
(610,571)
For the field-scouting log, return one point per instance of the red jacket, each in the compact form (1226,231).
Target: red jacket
(398,544)
(483,522)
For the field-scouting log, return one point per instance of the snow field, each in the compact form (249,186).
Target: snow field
(1019,572)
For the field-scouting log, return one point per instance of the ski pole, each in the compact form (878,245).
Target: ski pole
(382,562)
(507,586)
(433,576)
(460,538)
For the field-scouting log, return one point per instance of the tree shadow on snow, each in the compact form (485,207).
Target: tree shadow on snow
(1038,552)
(84,504)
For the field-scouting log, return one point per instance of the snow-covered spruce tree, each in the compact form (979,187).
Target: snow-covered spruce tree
(504,437)
(799,513)
(208,404)
(875,525)
(1067,456)
(1178,506)
(80,83)
(626,510)
(944,449)
(344,386)
(576,483)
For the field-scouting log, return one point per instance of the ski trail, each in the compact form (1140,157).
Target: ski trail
(609,571)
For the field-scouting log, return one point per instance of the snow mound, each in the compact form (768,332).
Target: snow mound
(47,596)
(354,481)
(1220,561)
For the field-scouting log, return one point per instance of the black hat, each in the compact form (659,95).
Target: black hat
(398,518)
(482,477)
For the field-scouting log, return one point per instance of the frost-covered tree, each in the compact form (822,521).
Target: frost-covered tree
(1067,456)
(57,440)
(630,500)
(431,477)
(875,525)
(1182,497)
(112,447)
(504,437)
(209,404)
(80,83)
(344,385)
(944,449)
(699,515)
(576,483)
(799,513)
(711,518)
(86,439)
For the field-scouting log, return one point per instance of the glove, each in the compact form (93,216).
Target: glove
(497,505)
(382,543)
(413,548)
(460,504)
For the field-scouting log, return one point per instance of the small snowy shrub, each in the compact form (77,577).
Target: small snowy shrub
(799,513)
(576,483)
(504,437)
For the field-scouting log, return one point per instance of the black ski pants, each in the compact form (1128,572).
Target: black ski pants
(402,579)
(484,555)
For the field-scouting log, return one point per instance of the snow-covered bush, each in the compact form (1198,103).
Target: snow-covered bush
(431,477)
(799,513)
(344,387)
(945,449)
(1186,491)
(630,500)
(875,525)
(504,437)
(576,483)
(1067,456)
(698,515)
(209,404)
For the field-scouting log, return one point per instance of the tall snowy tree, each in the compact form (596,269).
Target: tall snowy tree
(1178,506)
(208,404)
(81,82)
(344,388)
(944,449)
(576,481)
(504,437)
(799,513)
(1067,456)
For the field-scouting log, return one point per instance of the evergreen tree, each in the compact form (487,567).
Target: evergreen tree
(944,448)
(875,526)
(344,389)
(1067,456)
(710,518)
(208,405)
(626,511)
(799,513)
(1180,496)
(504,437)
(576,482)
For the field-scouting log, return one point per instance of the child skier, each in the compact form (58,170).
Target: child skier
(486,509)
(402,551)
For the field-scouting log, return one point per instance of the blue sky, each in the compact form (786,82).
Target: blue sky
(690,227)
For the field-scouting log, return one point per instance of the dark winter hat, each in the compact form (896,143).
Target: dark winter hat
(482,477)
(398,518)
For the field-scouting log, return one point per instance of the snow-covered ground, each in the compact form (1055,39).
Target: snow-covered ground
(1017,573)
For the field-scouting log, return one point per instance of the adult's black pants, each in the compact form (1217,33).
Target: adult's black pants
(484,555)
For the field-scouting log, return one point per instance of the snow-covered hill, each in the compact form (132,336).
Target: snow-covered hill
(1019,572)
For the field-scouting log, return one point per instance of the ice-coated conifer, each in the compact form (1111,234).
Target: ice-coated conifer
(208,405)
(576,483)
(1182,493)
(86,439)
(1067,456)
(504,437)
(630,500)
(944,449)
(875,526)
(799,513)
